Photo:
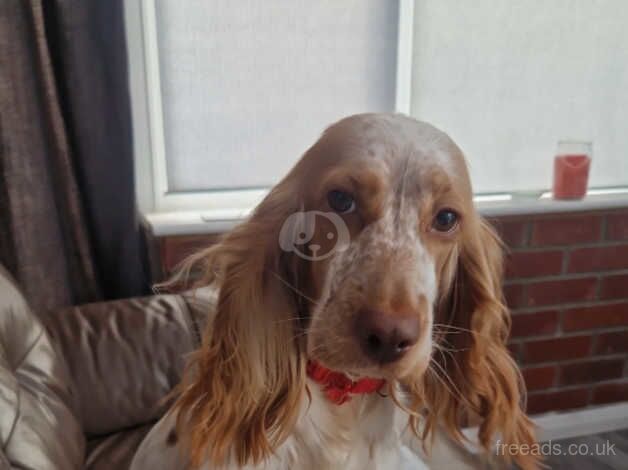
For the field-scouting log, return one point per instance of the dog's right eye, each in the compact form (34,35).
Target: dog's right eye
(445,221)
(341,201)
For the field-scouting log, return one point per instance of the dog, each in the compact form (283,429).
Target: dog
(358,313)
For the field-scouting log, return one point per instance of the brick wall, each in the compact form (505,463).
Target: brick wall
(567,287)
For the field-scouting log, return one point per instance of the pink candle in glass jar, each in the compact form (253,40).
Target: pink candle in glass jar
(571,170)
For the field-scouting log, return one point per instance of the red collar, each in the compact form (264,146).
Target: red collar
(337,386)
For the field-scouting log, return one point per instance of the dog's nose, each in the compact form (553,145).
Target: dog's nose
(386,337)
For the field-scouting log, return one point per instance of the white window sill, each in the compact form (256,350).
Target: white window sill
(522,204)
(220,220)
(557,425)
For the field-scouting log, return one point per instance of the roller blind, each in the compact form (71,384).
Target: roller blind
(247,85)
(508,79)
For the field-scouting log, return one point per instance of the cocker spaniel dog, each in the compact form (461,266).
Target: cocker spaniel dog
(358,313)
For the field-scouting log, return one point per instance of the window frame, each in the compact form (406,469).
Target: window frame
(197,210)
(151,169)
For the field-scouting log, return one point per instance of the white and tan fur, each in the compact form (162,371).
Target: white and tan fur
(363,434)
(245,401)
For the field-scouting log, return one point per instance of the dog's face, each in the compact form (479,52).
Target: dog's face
(385,204)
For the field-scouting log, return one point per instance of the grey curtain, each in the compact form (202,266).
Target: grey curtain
(69,229)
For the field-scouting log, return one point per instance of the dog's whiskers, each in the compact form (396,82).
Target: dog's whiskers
(294,289)
(451,329)
(456,391)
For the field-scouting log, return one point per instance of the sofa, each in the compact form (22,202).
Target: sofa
(80,387)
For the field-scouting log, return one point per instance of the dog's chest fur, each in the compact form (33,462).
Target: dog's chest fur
(362,434)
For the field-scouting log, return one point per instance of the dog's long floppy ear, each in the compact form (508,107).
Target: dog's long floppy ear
(240,392)
(475,380)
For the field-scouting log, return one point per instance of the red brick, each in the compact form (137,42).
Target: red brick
(512,232)
(515,350)
(556,349)
(596,316)
(514,295)
(566,230)
(558,400)
(601,258)
(532,324)
(561,291)
(612,343)
(538,378)
(534,263)
(617,226)
(610,393)
(591,371)
(614,287)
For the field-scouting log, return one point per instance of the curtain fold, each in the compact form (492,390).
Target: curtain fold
(69,228)
(89,44)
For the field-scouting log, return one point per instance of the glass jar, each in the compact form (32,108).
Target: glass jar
(571,169)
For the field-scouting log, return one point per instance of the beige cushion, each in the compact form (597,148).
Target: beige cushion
(38,429)
(101,369)
(125,356)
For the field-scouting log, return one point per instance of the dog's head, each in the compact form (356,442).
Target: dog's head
(370,258)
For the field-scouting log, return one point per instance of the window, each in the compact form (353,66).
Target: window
(508,80)
(226,96)
(239,92)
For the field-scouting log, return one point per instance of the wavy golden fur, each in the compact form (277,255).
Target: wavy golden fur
(243,389)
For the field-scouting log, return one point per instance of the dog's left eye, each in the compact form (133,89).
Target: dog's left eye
(341,201)
(445,221)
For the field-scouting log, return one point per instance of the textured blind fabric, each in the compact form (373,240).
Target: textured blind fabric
(247,85)
(508,79)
